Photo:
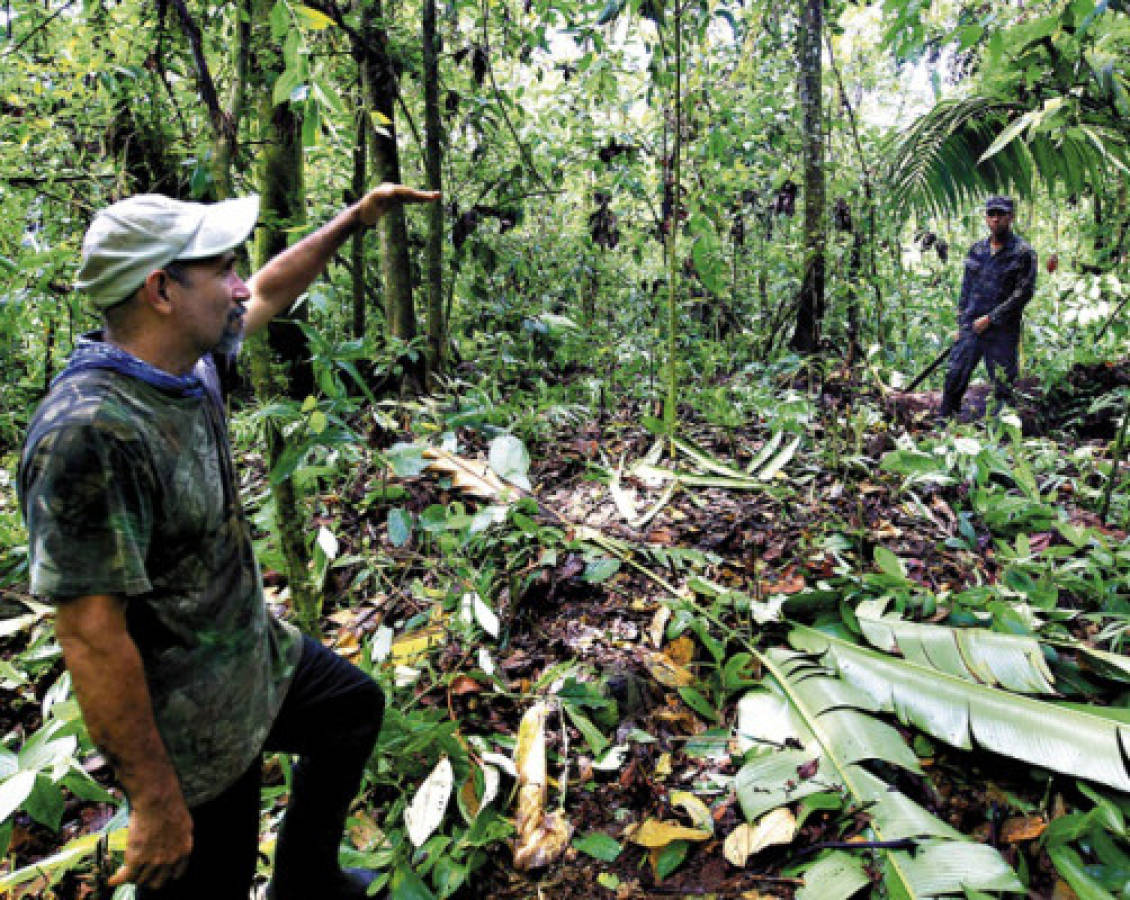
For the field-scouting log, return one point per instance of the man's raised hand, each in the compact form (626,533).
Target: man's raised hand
(383,197)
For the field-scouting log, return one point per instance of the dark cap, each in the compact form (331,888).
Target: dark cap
(999,203)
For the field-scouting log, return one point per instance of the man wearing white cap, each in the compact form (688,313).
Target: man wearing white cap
(138,536)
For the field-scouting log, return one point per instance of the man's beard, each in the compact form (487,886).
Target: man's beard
(232,338)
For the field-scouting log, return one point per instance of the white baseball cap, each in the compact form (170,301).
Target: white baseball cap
(136,236)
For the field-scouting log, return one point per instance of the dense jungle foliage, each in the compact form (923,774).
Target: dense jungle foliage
(603,467)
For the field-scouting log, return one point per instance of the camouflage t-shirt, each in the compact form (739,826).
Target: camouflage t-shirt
(127,487)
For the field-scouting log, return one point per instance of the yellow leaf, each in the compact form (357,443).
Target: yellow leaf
(667,673)
(681,651)
(663,766)
(408,649)
(541,838)
(469,797)
(473,476)
(314,18)
(695,808)
(657,833)
(776,827)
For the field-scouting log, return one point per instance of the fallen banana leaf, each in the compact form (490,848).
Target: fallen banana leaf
(541,837)
(1013,662)
(472,476)
(836,876)
(780,460)
(692,480)
(767,450)
(73,854)
(625,505)
(706,461)
(965,714)
(1114,666)
(822,727)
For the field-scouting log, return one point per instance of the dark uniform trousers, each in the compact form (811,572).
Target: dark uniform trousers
(999,347)
(330,718)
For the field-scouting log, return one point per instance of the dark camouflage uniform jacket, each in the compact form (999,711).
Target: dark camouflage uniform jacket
(997,285)
(127,487)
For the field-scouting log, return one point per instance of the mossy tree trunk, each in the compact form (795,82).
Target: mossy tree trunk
(810,303)
(379,80)
(671,223)
(433,161)
(280,176)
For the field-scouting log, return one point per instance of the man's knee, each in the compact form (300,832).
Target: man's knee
(370,705)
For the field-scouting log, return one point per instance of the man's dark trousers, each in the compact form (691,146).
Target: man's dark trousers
(1000,349)
(330,718)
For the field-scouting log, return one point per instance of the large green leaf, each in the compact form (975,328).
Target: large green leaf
(816,729)
(966,714)
(1010,661)
(836,876)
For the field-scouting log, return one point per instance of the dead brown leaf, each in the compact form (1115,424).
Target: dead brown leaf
(1022,828)
(464,684)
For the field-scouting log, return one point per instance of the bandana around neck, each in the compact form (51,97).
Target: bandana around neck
(92,352)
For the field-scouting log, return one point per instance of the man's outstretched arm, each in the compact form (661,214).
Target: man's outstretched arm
(282,280)
(109,681)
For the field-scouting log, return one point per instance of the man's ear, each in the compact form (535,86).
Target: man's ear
(155,293)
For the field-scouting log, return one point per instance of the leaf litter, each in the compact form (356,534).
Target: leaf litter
(643,637)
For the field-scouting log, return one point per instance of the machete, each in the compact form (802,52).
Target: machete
(929,370)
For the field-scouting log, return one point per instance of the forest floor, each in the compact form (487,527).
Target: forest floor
(802,540)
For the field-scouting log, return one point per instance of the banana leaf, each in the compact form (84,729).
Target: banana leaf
(819,729)
(836,876)
(966,714)
(767,450)
(1010,661)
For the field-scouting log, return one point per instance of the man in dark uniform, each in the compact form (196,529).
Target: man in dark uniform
(1000,277)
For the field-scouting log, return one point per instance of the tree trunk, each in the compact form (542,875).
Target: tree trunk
(380,91)
(670,409)
(433,160)
(226,139)
(810,303)
(357,242)
(282,190)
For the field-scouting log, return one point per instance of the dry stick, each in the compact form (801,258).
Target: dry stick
(1109,321)
(1116,461)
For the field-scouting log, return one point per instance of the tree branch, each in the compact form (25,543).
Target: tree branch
(38,28)
(502,106)
(221,122)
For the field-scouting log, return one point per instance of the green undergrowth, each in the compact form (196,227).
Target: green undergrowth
(827,675)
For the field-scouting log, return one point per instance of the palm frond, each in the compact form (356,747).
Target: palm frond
(940,161)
